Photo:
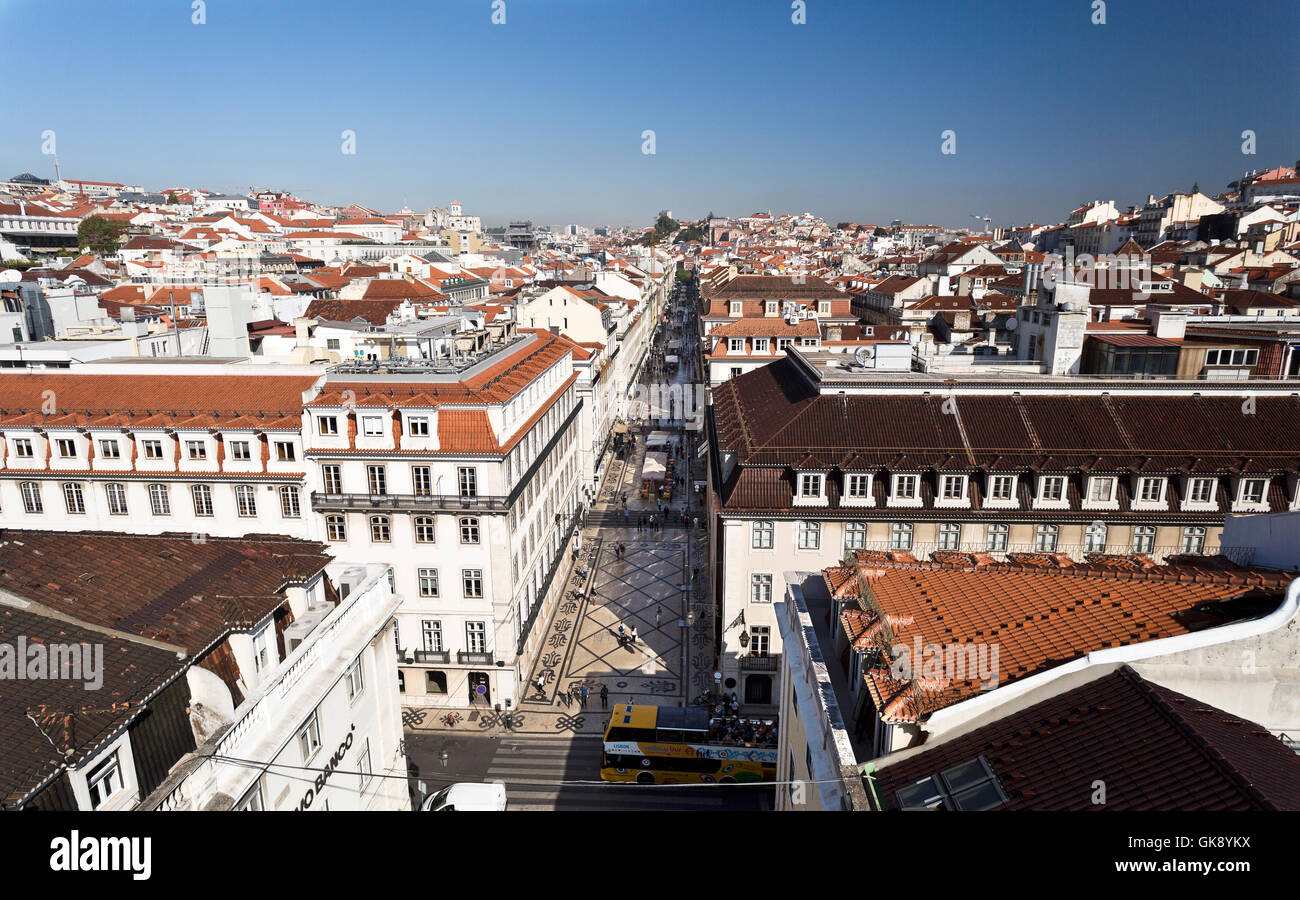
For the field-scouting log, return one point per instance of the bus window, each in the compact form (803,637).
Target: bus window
(671,736)
(619,733)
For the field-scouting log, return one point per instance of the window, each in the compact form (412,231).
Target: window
(104,781)
(1253,489)
(418,426)
(760,345)
(1144,538)
(116,498)
(73,499)
(246,500)
(68,448)
(904,487)
(469,530)
(424,530)
(429,586)
(761,535)
(810,484)
(254,800)
(1201,490)
(735,307)
(760,589)
(331,479)
(1051,488)
(327,425)
(810,535)
(202,495)
(855,536)
(336,528)
(900,536)
(380,529)
(331,343)
(1094,538)
(1101,490)
(160,501)
(1046,537)
(784,343)
(472,582)
(949,536)
(372,426)
(476,637)
(858,487)
(355,679)
(736,345)
(284,451)
(309,737)
(771,307)
(239,450)
(377,478)
(290,507)
(467,476)
(23,447)
(363,763)
(760,640)
(1193,539)
(421,481)
(997,537)
(1002,487)
(954,487)
(196,449)
(1151,490)
(1231,357)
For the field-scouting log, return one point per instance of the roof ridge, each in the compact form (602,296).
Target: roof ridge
(1194,737)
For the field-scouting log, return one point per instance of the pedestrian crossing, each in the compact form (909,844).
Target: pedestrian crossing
(535,769)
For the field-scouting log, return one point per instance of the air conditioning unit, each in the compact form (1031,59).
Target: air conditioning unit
(304,625)
(350,580)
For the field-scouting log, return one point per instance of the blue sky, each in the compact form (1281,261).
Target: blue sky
(542,117)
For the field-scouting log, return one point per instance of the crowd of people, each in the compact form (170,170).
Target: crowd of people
(739,730)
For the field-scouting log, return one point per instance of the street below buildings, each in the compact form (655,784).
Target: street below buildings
(559,773)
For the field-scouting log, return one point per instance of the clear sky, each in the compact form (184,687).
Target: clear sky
(542,117)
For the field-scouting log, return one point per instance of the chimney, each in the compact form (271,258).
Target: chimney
(944,287)
(963,285)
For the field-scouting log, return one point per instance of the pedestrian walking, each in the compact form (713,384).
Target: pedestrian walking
(541,685)
(658,614)
(563,697)
(604,697)
(633,634)
(582,697)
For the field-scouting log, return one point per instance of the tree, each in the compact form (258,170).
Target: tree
(99,235)
(842,226)
(171,198)
(880,232)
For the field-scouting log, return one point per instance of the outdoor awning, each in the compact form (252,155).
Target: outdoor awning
(620,428)
(658,439)
(655,466)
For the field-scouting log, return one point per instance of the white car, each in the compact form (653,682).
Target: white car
(467,796)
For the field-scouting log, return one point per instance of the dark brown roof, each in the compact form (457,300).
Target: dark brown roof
(166,588)
(1154,748)
(776,287)
(70,721)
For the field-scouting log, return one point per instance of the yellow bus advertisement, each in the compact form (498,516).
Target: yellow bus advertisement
(672,745)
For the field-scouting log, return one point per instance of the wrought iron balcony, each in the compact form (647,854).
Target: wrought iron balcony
(760,663)
(465,657)
(433,656)
(408,502)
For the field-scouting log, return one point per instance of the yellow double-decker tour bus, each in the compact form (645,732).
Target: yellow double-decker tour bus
(672,745)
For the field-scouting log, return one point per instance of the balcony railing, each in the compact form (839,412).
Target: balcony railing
(433,656)
(466,657)
(760,663)
(1077,552)
(409,502)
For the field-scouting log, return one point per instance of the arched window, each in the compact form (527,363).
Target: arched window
(424,531)
(380,529)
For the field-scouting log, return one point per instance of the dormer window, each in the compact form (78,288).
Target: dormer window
(107,449)
(1252,491)
(193,449)
(784,343)
(22,447)
(760,345)
(1201,490)
(372,426)
(857,490)
(952,487)
(771,307)
(1151,490)
(152,449)
(736,345)
(1101,489)
(68,447)
(418,426)
(1051,489)
(906,489)
(735,308)
(810,485)
(327,425)
(1002,488)
(824,307)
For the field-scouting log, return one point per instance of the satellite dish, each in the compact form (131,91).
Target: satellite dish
(864,355)
(11,275)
